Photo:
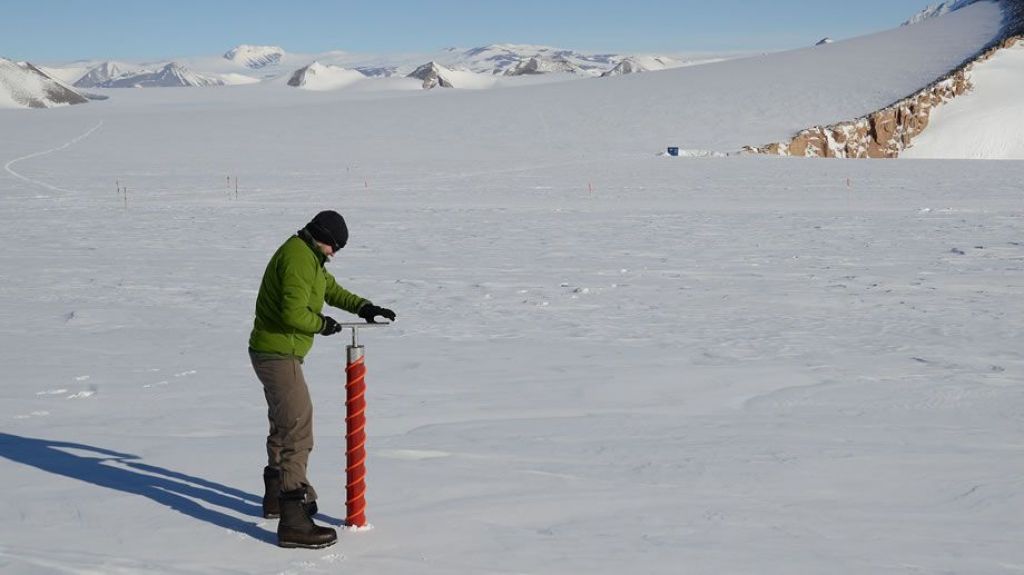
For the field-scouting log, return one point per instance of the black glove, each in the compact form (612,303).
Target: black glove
(330,327)
(370,311)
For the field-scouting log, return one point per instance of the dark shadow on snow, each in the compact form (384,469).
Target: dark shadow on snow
(124,472)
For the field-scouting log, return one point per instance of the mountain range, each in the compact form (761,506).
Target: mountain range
(247,64)
(27,85)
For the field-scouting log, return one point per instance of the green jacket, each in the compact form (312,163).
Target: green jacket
(294,289)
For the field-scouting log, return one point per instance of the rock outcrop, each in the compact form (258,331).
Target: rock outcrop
(433,75)
(886,132)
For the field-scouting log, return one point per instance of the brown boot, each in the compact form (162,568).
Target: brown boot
(272,490)
(296,528)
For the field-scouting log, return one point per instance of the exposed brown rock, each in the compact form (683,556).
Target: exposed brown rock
(883,125)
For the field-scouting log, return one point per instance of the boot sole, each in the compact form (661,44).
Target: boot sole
(291,545)
(271,515)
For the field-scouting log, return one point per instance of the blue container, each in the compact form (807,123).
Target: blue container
(673,151)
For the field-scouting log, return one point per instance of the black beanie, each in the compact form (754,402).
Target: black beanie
(328,227)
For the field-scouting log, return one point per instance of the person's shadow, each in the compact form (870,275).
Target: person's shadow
(124,472)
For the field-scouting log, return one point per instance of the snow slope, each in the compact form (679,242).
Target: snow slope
(605,361)
(23,85)
(987,122)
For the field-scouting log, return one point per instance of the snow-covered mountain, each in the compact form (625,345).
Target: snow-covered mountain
(172,75)
(23,85)
(319,76)
(105,73)
(246,64)
(433,75)
(501,58)
(636,64)
(377,71)
(255,57)
(936,10)
(541,65)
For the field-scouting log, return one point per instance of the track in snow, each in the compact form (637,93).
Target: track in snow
(10,170)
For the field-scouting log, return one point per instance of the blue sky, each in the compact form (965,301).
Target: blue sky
(55,30)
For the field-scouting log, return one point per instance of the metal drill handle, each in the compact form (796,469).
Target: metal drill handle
(355,326)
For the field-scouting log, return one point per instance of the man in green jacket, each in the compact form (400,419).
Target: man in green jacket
(288,314)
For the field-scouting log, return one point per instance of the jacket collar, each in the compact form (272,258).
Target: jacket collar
(307,238)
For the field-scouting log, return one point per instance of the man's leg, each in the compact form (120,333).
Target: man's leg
(291,414)
(273,438)
(291,419)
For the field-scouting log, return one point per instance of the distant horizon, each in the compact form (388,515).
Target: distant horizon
(50,31)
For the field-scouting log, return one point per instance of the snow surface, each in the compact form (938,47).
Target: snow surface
(988,122)
(605,360)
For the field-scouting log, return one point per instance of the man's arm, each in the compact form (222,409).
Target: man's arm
(341,298)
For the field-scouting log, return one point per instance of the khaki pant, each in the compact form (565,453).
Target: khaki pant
(290,412)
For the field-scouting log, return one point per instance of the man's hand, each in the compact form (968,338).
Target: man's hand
(331,327)
(369,312)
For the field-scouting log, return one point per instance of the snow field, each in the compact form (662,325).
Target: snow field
(737,364)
